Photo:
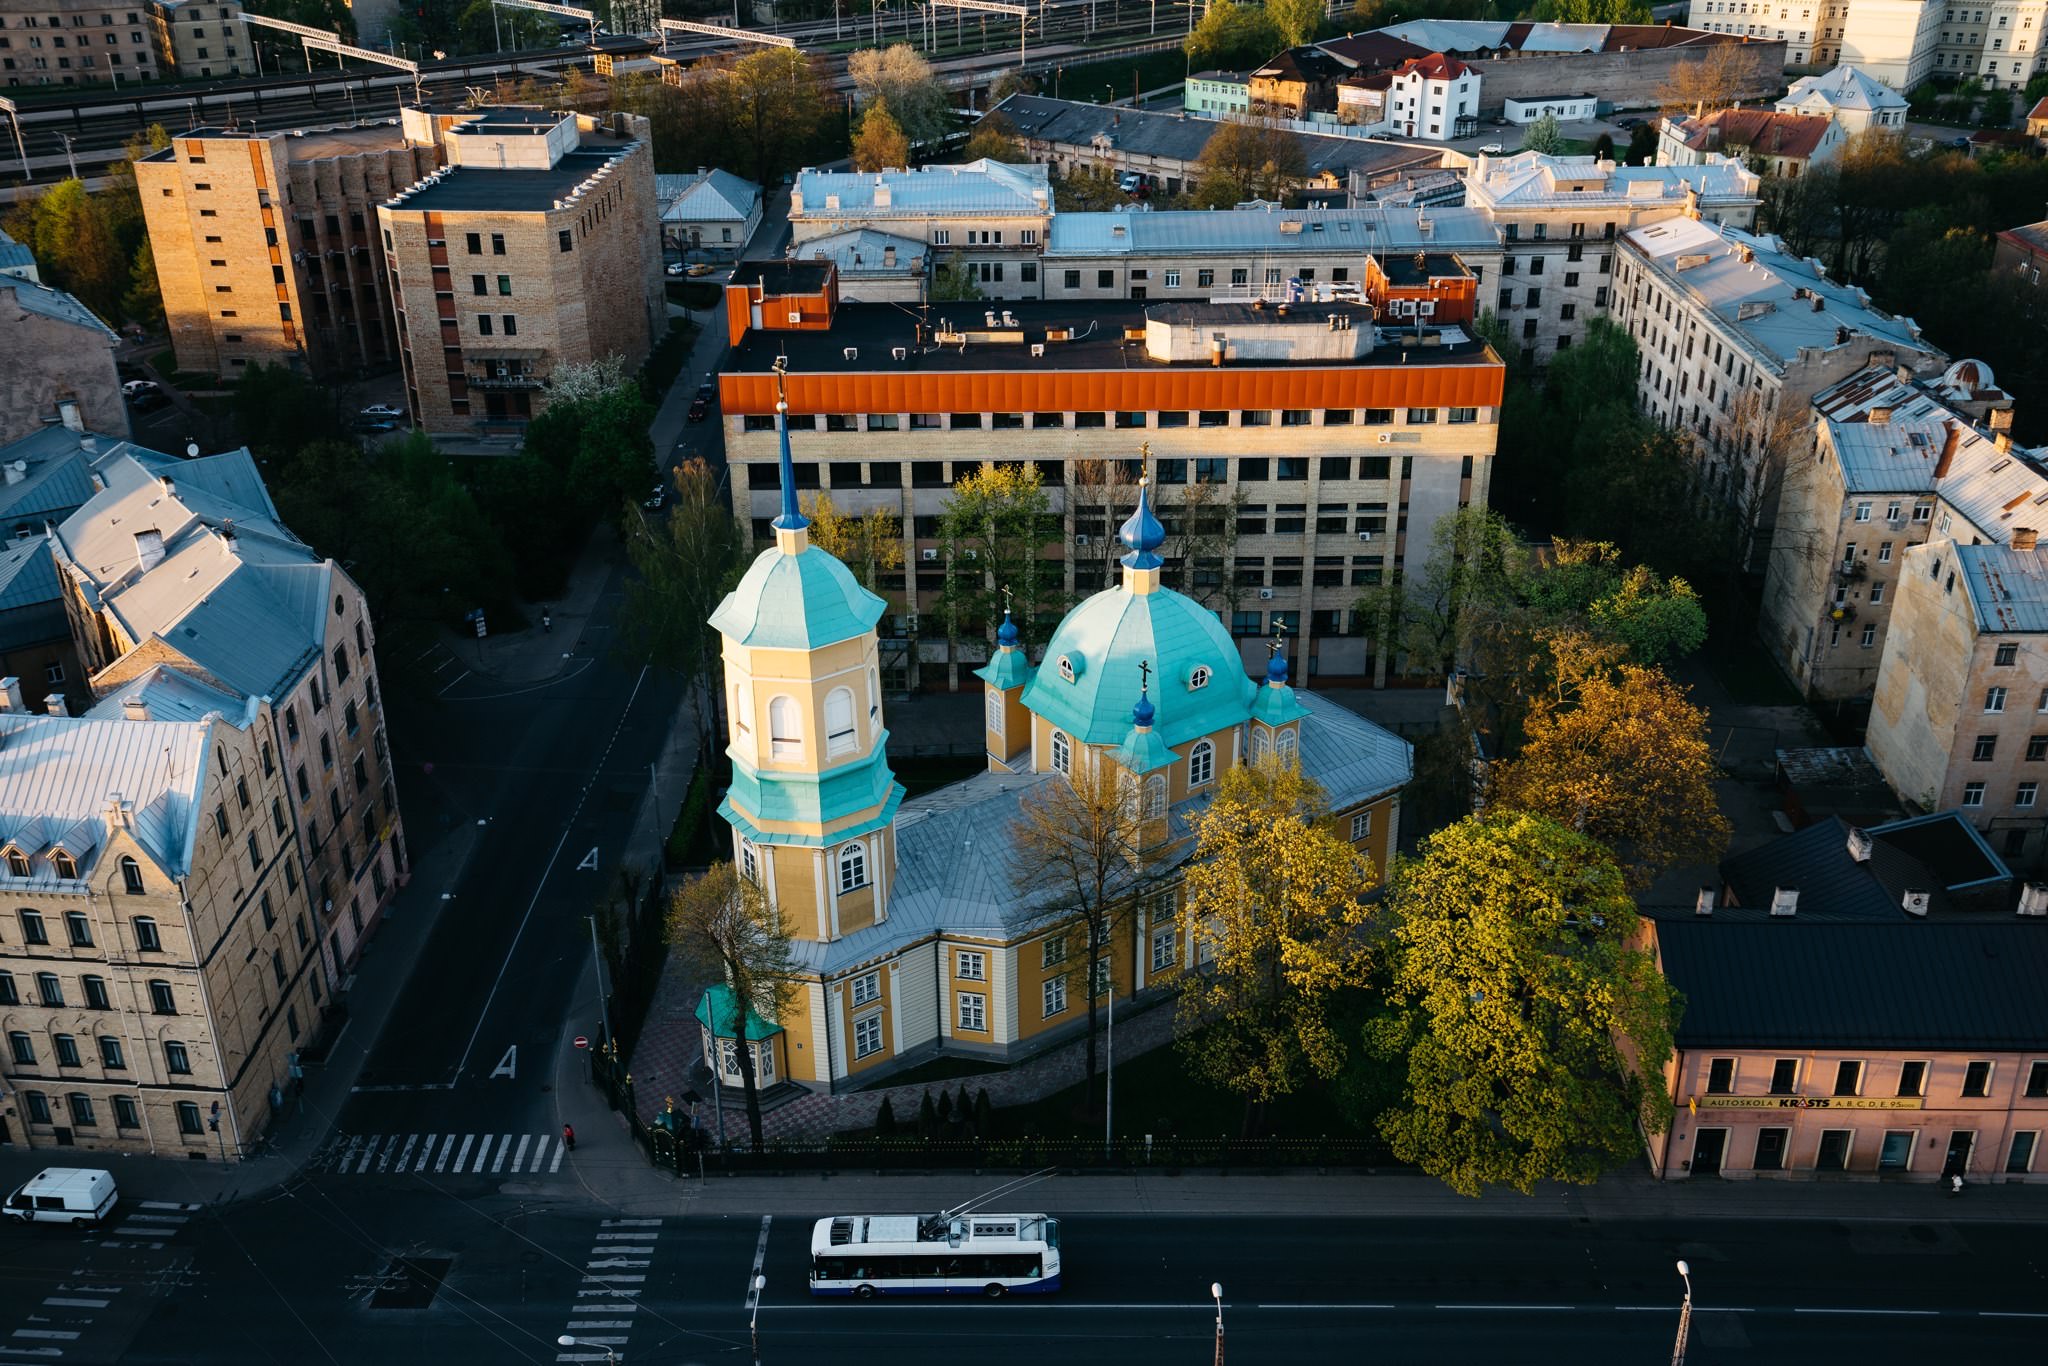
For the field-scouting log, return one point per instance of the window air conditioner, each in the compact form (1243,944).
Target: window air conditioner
(928,556)
(1265,595)
(1365,535)
(1385,438)
(1081,539)
(899,353)
(851,353)
(1037,350)
(971,554)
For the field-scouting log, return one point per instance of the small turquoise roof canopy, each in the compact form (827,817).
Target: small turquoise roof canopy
(716,1004)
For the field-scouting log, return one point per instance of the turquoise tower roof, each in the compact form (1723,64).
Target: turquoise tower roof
(797,602)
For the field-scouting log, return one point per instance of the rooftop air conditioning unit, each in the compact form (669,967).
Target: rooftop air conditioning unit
(851,353)
(1265,595)
(795,317)
(899,353)
(1385,438)
(1365,535)
(1037,350)
(928,556)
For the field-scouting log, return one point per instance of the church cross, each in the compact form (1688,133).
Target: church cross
(1144,675)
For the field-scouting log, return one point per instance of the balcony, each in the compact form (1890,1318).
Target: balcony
(504,376)
(1851,570)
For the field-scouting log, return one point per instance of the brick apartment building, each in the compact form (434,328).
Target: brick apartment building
(202,38)
(537,246)
(1331,441)
(75,42)
(266,246)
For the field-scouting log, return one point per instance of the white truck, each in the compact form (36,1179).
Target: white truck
(64,1195)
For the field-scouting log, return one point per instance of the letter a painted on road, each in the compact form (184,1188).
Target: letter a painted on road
(508,1066)
(589,864)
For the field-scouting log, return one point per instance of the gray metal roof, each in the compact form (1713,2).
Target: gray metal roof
(953,865)
(1801,984)
(2007,587)
(860,253)
(1769,296)
(1845,87)
(968,187)
(169,696)
(1532,180)
(1222,232)
(1940,854)
(709,196)
(40,299)
(28,576)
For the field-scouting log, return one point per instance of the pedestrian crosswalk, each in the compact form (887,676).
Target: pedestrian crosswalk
(440,1154)
(609,1297)
(147,1223)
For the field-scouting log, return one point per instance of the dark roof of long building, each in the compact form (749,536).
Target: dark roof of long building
(1804,984)
(1939,854)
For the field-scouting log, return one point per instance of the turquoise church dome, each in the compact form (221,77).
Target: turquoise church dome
(1090,679)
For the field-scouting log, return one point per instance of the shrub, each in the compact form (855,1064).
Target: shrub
(885,1120)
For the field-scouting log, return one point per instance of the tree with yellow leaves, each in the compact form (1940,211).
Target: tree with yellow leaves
(1624,759)
(865,542)
(1275,898)
(1528,1029)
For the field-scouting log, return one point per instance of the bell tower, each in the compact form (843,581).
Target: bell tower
(1006,723)
(813,801)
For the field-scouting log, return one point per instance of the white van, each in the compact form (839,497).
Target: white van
(64,1195)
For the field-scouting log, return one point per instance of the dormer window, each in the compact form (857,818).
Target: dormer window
(1199,677)
(66,866)
(1071,667)
(17,862)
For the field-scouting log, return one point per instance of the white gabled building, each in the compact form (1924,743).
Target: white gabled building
(1854,101)
(1435,98)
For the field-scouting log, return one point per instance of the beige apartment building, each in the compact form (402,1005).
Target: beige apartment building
(1897,460)
(158,965)
(75,42)
(1737,335)
(179,569)
(1959,717)
(537,246)
(1559,218)
(1299,453)
(199,39)
(989,218)
(266,245)
(1899,42)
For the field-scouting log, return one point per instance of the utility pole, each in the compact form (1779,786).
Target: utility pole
(14,117)
(1216,1294)
(70,155)
(603,1005)
(1684,1317)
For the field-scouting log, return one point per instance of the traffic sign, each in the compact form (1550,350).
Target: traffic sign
(582,1042)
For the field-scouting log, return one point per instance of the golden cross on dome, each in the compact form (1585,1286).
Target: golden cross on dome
(1144,674)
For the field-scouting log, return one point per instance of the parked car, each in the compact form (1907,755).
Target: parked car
(699,409)
(1129,182)
(64,1195)
(658,500)
(1493,149)
(1626,121)
(138,388)
(676,268)
(1381,136)
(703,268)
(382,410)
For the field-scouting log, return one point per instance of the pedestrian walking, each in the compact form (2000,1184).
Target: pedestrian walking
(569,1137)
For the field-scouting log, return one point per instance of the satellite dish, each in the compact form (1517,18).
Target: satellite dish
(191,450)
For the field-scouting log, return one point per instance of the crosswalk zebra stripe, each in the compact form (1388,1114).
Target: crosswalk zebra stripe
(556,1165)
(504,1146)
(540,1152)
(441,1164)
(630,1223)
(405,1153)
(520,1156)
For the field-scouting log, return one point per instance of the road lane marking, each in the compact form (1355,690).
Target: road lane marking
(60,1302)
(1512,1308)
(556,1165)
(442,1164)
(405,1153)
(46,1334)
(582,1324)
(483,1153)
(163,1204)
(1913,1313)
(760,1255)
(369,1153)
(632,1223)
(614,1280)
(1998,1314)
(647,1251)
(540,886)
(426,1152)
(519,1157)
(540,1152)
(504,1146)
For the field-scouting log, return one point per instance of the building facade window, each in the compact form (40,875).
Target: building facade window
(867,988)
(973,1012)
(1201,764)
(1053,996)
(853,867)
(867,1035)
(971,967)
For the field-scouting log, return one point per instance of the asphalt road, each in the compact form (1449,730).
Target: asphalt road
(309,1276)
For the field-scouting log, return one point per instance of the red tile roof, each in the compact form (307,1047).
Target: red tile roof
(1435,67)
(2039,111)
(1769,133)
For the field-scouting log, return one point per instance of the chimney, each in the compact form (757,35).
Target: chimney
(149,549)
(89,444)
(1881,415)
(1859,845)
(16,471)
(134,709)
(170,485)
(227,538)
(1703,904)
(1785,901)
(54,704)
(10,694)
(1948,451)
(68,414)
(1914,902)
(2002,442)
(2025,538)
(116,812)
(2034,898)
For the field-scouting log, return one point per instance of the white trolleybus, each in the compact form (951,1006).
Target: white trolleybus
(994,1255)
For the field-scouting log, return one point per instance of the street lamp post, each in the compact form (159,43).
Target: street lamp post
(1684,1317)
(1216,1294)
(754,1314)
(611,1357)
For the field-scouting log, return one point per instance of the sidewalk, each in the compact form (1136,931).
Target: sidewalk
(535,654)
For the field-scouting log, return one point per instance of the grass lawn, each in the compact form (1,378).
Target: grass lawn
(1156,1095)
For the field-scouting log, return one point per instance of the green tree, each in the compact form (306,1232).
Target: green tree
(1244,160)
(143,304)
(1231,36)
(1642,145)
(1089,857)
(994,528)
(1627,761)
(1590,12)
(1428,616)
(725,926)
(484,29)
(1296,21)
(1530,1031)
(900,77)
(771,104)
(1545,135)
(73,241)
(1603,147)
(953,281)
(865,542)
(684,563)
(600,446)
(995,139)
(1278,901)
(880,144)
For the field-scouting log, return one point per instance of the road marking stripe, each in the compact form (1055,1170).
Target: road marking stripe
(519,1158)
(163,1218)
(629,1223)
(35,1351)
(483,1153)
(590,1356)
(1997,1314)
(628,1237)
(1915,1313)
(556,1165)
(620,1307)
(463,1156)
(582,1324)
(603,1342)
(1323,1306)
(163,1204)
(369,1153)
(426,1152)
(614,1280)
(605,1250)
(1511,1308)
(49,1334)
(540,1152)
(339,1161)
(405,1153)
(60,1302)
(753,1295)
(581,1293)
(613,1262)
(504,1146)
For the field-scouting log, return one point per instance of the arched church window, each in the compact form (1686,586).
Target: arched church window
(995,712)
(785,729)
(840,736)
(853,867)
(1201,764)
(1062,753)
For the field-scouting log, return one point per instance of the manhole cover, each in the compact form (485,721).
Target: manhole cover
(411,1282)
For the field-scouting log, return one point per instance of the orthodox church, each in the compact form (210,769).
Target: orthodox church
(913,935)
